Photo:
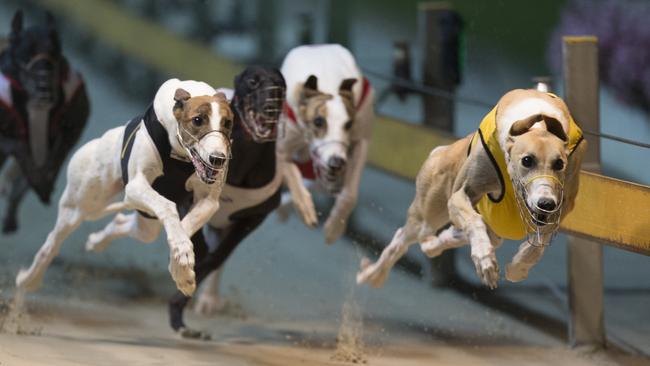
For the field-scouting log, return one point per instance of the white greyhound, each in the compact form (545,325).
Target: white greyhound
(152,160)
(326,130)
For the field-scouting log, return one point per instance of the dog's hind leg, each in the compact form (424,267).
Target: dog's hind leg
(209,262)
(19,187)
(68,219)
(527,256)
(449,238)
(375,274)
(134,225)
(209,302)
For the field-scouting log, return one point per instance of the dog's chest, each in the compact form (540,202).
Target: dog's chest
(253,178)
(172,183)
(253,165)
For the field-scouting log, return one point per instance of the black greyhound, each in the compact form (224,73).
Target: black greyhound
(43,110)
(252,187)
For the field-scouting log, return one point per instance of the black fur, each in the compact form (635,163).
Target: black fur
(253,165)
(25,43)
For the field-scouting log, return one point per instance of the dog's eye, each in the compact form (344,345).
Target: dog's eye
(320,122)
(347,125)
(254,82)
(527,161)
(558,165)
(227,124)
(197,121)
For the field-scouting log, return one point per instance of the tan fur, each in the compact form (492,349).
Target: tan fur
(449,185)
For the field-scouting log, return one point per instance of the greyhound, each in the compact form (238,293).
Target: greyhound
(326,130)
(516,177)
(152,160)
(252,188)
(43,110)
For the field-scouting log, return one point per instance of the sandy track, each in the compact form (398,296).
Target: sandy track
(69,333)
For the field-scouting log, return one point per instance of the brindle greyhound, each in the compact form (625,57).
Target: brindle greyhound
(43,110)
(252,188)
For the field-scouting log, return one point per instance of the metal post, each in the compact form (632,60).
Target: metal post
(585,257)
(267,29)
(340,13)
(441,28)
(441,36)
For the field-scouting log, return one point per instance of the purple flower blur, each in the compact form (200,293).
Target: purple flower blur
(623,31)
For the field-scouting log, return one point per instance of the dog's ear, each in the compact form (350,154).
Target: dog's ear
(16,26)
(346,85)
(347,96)
(555,127)
(49,21)
(523,125)
(311,83)
(221,97)
(181,96)
(309,89)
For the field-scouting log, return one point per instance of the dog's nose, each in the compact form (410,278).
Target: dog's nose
(336,163)
(217,160)
(546,204)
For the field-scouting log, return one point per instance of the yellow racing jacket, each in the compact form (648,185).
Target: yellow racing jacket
(501,213)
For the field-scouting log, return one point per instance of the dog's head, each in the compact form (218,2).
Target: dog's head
(328,119)
(259,96)
(537,153)
(36,58)
(204,126)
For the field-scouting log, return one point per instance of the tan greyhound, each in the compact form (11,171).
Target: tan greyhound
(515,178)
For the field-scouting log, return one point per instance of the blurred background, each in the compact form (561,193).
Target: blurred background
(483,48)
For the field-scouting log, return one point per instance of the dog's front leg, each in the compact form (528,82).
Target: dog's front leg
(527,256)
(464,217)
(140,194)
(206,203)
(346,200)
(300,196)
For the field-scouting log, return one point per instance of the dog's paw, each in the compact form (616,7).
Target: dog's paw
(516,273)
(29,280)
(208,305)
(181,265)
(334,228)
(432,246)
(189,333)
(487,270)
(95,242)
(371,274)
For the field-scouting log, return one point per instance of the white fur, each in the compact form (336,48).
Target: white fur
(94,179)
(524,109)
(331,64)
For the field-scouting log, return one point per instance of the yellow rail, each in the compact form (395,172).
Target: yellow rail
(146,41)
(607,209)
